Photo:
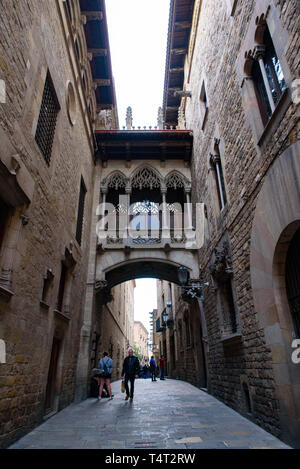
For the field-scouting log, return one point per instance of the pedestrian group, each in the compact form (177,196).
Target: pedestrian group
(130,371)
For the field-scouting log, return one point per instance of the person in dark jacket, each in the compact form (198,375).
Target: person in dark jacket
(152,368)
(130,371)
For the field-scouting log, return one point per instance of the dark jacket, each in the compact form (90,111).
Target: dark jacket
(152,364)
(134,369)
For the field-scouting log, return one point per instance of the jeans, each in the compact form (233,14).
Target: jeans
(131,379)
(162,373)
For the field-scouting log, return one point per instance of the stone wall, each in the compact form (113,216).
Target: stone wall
(141,335)
(32,40)
(218,58)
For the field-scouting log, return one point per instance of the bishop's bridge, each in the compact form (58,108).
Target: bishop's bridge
(146,224)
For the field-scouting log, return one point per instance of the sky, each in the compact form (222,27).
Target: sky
(138,39)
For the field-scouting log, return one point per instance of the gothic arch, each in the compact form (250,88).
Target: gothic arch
(277,216)
(176,180)
(146,176)
(115,180)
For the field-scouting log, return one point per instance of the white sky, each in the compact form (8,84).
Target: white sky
(138,39)
(145,300)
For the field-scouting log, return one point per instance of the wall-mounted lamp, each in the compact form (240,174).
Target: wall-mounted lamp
(193,289)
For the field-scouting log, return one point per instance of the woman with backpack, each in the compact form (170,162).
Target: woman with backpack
(105,369)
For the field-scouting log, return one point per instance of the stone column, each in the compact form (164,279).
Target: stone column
(216,161)
(165,226)
(83,364)
(188,202)
(128,190)
(103,202)
(259,52)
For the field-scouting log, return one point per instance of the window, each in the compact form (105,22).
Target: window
(4,215)
(292,277)
(80,213)
(228,307)
(216,163)
(267,76)
(203,106)
(47,119)
(62,284)
(46,286)
(68,4)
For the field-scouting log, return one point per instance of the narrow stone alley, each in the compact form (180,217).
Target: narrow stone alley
(164,414)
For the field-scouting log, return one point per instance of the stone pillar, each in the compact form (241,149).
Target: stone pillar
(165,226)
(258,55)
(103,192)
(188,202)
(129,118)
(216,162)
(128,190)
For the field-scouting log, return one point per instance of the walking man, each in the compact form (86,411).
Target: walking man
(162,367)
(130,370)
(152,368)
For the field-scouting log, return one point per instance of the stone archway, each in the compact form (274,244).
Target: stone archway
(276,219)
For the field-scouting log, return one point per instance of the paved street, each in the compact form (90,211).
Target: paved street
(166,414)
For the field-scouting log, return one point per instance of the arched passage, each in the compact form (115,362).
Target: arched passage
(276,220)
(142,269)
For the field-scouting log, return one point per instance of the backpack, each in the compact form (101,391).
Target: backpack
(104,373)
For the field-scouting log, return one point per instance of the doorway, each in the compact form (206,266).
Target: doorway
(52,377)
(292,278)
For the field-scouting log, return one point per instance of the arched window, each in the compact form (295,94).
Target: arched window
(292,278)
(146,199)
(175,202)
(267,73)
(216,163)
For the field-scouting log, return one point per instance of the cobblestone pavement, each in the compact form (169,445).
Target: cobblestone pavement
(164,414)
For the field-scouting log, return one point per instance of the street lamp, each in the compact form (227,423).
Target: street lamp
(183,275)
(164,316)
(193,289)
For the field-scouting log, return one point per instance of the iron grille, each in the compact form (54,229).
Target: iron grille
(47,119)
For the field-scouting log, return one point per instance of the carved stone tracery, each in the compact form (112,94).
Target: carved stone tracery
(175,181)
(146,177)
(221,267)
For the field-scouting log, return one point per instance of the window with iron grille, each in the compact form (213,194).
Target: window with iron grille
(80,211)
(47,119)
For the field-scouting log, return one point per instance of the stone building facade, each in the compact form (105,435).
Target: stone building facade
(48,116)
(239,76)
(141,336)
(178,334)
(231,93)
